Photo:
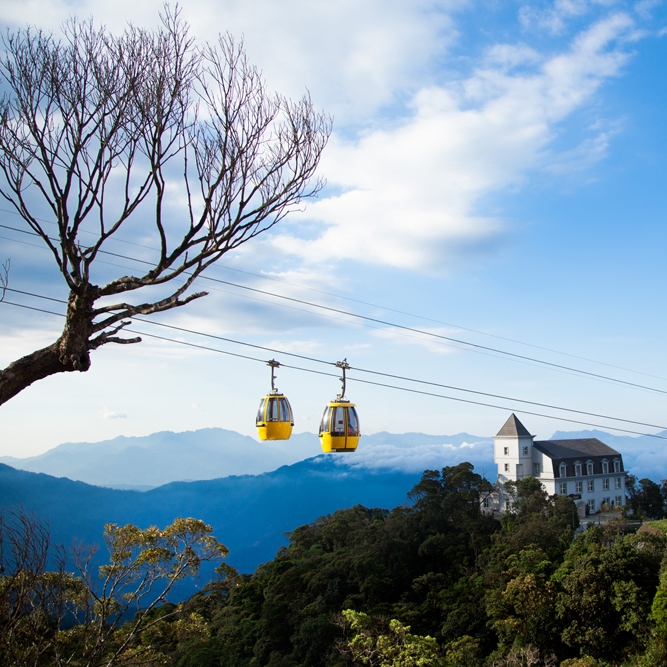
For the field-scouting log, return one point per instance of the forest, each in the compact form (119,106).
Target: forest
(431,582)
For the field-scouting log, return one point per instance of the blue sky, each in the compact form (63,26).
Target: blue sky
(494,166)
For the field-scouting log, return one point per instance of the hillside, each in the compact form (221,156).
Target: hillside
(250,514)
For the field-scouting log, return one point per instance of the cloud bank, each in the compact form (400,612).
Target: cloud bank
(418,458)
(411,195)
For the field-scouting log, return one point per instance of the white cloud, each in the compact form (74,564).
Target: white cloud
(645,7)
(555,18)
(299,346)
(354,57)
(512,55)
(421,457)
(112,414)
(428,340)
(411,195)
(24,336)
(646,462)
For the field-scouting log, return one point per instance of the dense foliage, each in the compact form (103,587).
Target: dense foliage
(433,582)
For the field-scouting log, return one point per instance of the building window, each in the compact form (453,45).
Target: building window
(563,489)
(589,467)
(519,470)
(619,500)
(562,470)
(507,467)
(617,465)
(605,485)
(617,483)
(578,487)
(591,505)
(536,469)
(486,501)
(605,501)
(525,451)
(577,469)
(605,467)
(591,485)
(506,451)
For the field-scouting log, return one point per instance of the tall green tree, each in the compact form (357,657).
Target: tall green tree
(522,611)
(535,519)
(650,499)
(606,592)
(393,646)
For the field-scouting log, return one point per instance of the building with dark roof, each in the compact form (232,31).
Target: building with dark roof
(585,469)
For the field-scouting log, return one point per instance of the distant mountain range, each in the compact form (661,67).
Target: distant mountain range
(141,463)
(250,514)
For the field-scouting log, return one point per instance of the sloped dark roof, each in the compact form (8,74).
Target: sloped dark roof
(572,449)
(513,428)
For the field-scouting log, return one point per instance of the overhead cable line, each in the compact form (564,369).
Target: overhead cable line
(305,310)
(473,346)
(367,303)
(362,370)
(406,389)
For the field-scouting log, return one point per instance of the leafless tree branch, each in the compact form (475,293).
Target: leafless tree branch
(4,278)
(96,128)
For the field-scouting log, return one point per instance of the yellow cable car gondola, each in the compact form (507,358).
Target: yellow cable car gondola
(274,415)
(339,429)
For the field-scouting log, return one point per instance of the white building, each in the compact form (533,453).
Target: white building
(585,469)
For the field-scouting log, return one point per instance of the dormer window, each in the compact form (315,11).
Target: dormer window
(589,467)
(562,470)
(605,466)
(617,465)
(577,469)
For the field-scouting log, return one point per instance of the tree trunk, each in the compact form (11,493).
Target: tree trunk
(71,352)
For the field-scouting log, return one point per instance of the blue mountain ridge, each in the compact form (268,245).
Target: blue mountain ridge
(249,514)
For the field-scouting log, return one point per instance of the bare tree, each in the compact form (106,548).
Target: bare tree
(97,130)
(35,589)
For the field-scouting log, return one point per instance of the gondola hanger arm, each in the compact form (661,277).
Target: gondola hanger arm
(344,366)
(274,364)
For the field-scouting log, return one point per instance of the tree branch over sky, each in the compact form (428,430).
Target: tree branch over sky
(4,278)
(100,133)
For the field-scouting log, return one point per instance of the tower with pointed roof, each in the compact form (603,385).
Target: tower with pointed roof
(513,451)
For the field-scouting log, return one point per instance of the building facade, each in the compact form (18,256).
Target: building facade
(584,469)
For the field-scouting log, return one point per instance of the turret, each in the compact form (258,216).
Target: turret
(513,451)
